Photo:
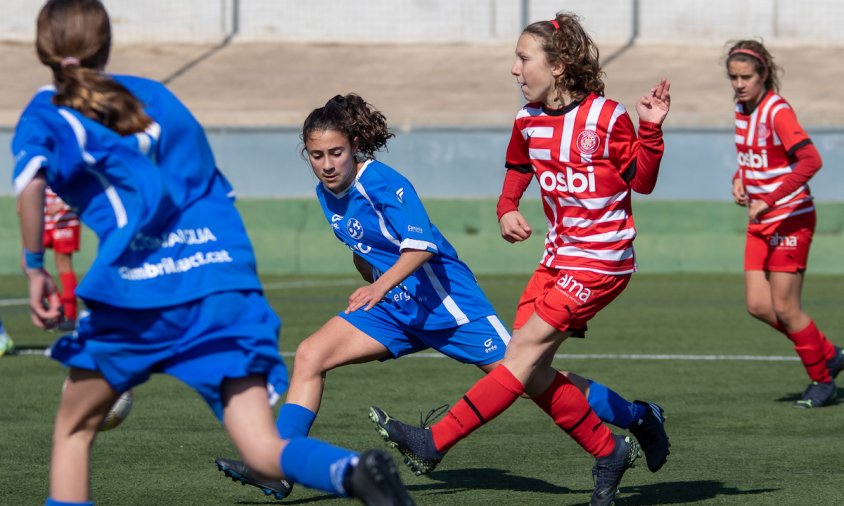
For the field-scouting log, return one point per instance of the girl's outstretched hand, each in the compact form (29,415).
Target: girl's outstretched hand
(654,106)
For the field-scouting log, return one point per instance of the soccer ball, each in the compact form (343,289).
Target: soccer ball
(118,412)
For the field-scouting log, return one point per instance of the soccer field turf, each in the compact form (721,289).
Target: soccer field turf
(726,382)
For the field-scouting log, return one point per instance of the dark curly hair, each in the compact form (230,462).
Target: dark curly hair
(572,47)
(351,115)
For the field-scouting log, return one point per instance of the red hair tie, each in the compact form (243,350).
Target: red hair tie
(69,61)
(556,25)
(751,53)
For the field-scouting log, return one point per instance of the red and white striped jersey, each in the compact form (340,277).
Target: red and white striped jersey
(583,157)
(765,143)
(62,217)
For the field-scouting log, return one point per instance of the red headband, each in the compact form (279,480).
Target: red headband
(751,53)
(556,25)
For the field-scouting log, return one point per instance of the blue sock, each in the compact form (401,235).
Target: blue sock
(53,502)
(613,408)
(294,420)
(315,464)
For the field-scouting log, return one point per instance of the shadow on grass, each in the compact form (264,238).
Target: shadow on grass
(679,492)
(791,398)
(458,481)
(462,480)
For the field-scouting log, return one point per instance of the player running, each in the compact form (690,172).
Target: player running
(421,294)
(582,149)
(173,288)
(776,159)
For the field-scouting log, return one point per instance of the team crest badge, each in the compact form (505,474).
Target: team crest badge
(354,228)
(762,130)
(588,142)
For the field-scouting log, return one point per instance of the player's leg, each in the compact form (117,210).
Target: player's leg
(65,243)
(64,266)
(816,352)
(526,361)
(335,344)
(645,420)
(529,359)
(371,477)
(84,404)
(758,299)
(565,403)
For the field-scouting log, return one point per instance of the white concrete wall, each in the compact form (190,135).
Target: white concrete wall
(815,22)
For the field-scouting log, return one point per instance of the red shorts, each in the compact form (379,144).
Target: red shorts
(781,246)
(567,299)
(63,240)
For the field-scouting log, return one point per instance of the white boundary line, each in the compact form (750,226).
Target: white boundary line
(14,302)
(280,285)
(591,356)
(313,283)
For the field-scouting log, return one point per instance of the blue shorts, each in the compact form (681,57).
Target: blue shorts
(224,335)
(479,342)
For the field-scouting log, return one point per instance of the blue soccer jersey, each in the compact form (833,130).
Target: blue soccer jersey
(380,215)
(164,215)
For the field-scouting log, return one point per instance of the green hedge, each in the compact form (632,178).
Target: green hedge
(292,237)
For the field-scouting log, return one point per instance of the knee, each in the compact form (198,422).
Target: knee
(310,359)
(786,311)
(759,309)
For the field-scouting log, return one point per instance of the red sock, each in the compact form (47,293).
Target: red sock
(68,296)
(778,327)
(814,350)
(487,398)
(569,409)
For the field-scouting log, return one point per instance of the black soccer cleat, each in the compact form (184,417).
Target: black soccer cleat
(609,470)
(816,395)
(375,481)
(416,444)
(650,433)
(240,472)
(67,325)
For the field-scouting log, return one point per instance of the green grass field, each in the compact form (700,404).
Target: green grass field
(736,438)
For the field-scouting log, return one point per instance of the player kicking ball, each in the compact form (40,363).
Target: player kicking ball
(421,295)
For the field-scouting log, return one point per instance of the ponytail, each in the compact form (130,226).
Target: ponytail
(74,41)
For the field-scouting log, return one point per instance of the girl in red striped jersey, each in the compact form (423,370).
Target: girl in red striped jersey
(62,234)
(583,150)
(776,158)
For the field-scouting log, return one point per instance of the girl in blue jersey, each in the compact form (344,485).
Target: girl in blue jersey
(173,288)
(420,296)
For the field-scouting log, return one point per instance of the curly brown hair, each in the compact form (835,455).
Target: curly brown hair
(74,41)
(354,117)
(567,43)
(755,53)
